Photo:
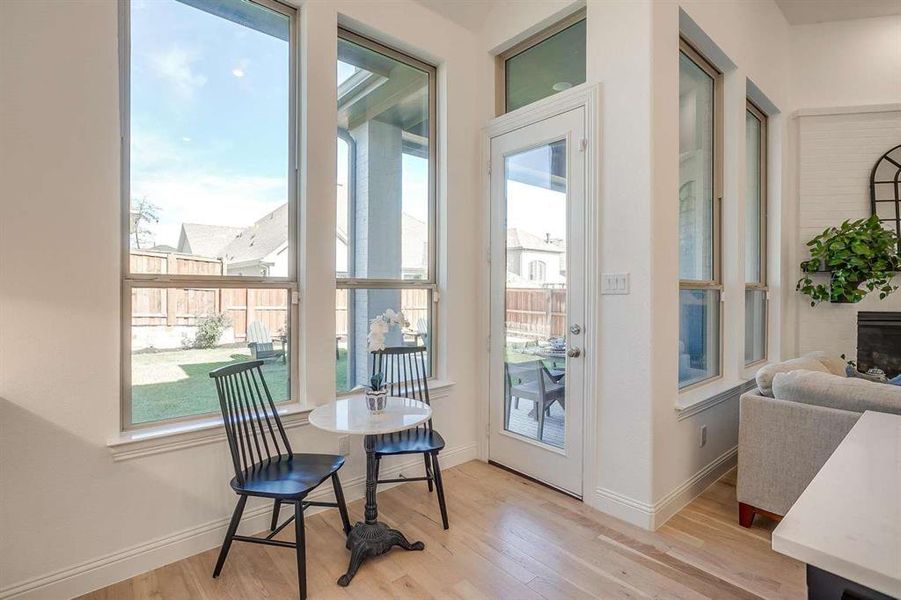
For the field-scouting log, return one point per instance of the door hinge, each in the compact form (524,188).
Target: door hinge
(489,167)
(488,256)
(583,144)
(295,297)
(488,344)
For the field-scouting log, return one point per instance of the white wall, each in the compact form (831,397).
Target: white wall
(648,461)
(846,63)
(837,153)
(846,85)
(729,34)
(71,517)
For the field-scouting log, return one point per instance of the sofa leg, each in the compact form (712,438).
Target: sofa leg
(746,514)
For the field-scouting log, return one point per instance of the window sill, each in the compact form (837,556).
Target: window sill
(701,398)
(169,437)
(186,434)
(750,371)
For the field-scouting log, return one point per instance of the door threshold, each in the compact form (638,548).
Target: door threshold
(534,480)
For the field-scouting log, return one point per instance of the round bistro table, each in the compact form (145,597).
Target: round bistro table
(351,416)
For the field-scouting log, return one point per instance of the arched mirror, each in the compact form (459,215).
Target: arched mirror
(885,190)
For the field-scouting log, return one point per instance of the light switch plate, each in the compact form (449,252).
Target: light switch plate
(614,283)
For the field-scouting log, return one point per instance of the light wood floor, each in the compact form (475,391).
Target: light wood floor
(509,539)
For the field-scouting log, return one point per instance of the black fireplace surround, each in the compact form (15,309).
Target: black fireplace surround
(879,342)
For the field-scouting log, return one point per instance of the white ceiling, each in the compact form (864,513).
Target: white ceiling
(803,12)
(466,13)
(471,13)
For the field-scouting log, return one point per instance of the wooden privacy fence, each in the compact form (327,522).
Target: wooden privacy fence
(155,307)
(530,312)
(536,312)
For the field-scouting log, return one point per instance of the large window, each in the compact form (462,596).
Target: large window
(385,238)
(209,273)
(755,236)
(700,196)
(547,63)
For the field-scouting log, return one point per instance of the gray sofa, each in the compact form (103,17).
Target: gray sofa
(791,424)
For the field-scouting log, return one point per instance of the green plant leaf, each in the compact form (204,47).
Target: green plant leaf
(861,257)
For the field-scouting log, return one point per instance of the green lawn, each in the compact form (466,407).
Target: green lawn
(176,383)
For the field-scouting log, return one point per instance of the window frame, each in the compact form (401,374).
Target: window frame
(716,283)
(430,283)
(762,282)
(500,60)
(537,270)
(129,280)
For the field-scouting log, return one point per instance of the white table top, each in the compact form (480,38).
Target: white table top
(848,520)
(350,415)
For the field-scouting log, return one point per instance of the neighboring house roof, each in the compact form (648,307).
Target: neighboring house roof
(205,240)
(519,239)
(260,239)
(163,248)
(270,233)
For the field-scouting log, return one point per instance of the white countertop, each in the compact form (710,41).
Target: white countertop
(350,415)
(848,520)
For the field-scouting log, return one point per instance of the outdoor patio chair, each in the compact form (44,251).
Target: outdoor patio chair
(532,381)
(267,467)
(260,343)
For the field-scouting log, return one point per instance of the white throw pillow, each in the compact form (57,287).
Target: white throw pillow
(766,373)
(836,364)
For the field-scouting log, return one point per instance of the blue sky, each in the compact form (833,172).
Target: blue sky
(209,120)
(209,117)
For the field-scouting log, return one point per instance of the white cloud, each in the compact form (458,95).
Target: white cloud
(151,151)
(175,66)
(240,69)
(204,197)
(538,210)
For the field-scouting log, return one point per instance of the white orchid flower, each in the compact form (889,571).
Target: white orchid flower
(381,325)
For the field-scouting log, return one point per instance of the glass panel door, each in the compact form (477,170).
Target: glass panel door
(537,297)
(535,293)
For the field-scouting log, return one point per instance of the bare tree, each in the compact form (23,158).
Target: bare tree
(143,213)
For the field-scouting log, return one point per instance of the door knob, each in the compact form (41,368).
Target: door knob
(574,352)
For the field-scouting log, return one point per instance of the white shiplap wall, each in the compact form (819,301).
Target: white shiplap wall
(836,153)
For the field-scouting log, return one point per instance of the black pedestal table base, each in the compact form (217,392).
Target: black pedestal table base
(371,538)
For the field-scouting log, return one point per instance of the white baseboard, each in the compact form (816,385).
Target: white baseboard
(680,497)
(652,516)
(624,508)
(128,562)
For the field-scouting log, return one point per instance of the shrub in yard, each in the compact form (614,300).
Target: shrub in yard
(209,330)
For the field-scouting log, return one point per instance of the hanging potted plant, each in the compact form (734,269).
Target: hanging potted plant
(859,256)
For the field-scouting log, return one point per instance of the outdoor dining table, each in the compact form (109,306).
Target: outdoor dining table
(351,416)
